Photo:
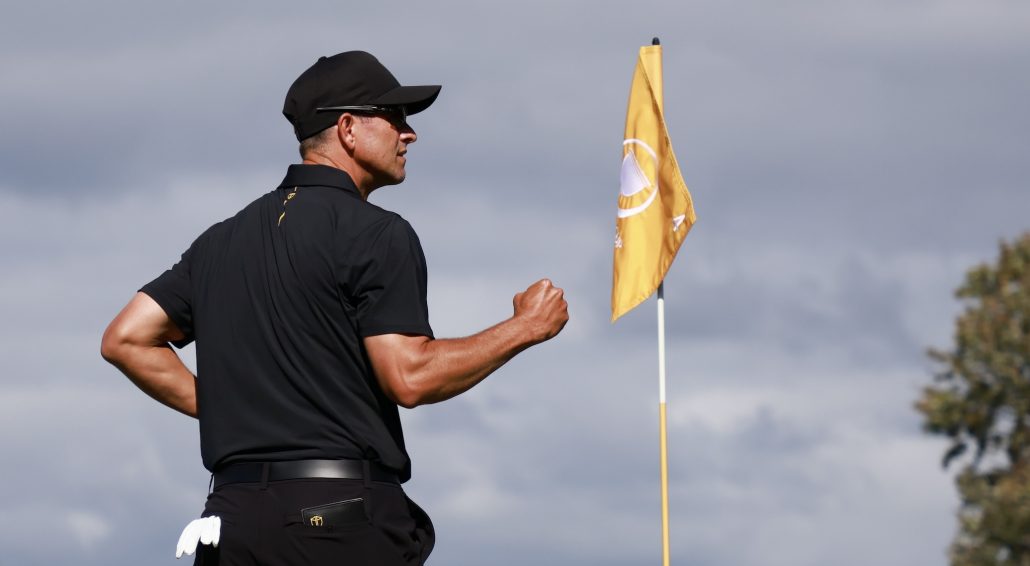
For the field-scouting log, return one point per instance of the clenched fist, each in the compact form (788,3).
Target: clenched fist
(542,308)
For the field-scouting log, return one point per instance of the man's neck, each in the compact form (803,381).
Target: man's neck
(360,182)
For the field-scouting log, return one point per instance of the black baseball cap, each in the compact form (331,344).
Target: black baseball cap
(353,78)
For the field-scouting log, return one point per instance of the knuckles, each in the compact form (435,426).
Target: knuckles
(542,296)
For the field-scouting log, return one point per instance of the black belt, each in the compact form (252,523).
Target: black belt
(253,472)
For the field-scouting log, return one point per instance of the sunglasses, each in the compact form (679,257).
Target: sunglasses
(396,115)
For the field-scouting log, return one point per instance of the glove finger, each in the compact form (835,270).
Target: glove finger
(192,539)
(188,539)
(208,531)
(217,522)
(180,546)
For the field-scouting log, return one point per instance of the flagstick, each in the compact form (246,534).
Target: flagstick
(661,424)
(662,434)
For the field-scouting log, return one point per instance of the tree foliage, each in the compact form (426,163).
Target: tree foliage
(980,400)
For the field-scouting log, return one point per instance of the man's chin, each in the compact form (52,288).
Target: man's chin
(392,180)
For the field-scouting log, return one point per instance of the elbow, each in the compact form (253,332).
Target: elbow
(405,391)
(113,344)
(408,403)
(406,396)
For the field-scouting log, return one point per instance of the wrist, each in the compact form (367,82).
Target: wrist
(525,333)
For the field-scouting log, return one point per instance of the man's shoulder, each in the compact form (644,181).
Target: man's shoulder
(388,223)
(223,229)
(362,219)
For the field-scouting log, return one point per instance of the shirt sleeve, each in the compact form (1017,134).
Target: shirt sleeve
(173,292)
(389,284)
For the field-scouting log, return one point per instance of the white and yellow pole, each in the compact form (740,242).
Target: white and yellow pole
(662,429)
(663,443)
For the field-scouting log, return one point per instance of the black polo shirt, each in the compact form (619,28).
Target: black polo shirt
(278,299)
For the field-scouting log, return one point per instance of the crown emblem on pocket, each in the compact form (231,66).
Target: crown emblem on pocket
(316,521)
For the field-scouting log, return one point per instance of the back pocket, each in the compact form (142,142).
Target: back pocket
(338,514)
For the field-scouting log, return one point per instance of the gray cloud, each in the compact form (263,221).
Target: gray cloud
(848,160)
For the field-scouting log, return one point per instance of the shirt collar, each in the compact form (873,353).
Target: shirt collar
(303,175)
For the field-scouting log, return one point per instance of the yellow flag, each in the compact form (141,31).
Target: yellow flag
(655,210)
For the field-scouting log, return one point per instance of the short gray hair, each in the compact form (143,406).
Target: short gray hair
(317,142)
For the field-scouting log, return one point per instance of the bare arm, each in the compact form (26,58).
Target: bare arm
(416,370)
(136,342)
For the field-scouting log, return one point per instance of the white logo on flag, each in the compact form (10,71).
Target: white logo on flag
(633,180)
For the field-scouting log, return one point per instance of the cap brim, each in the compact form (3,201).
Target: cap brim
(413,98)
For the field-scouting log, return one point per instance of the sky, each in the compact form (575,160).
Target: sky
(848,162)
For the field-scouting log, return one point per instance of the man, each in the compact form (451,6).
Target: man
(309,312)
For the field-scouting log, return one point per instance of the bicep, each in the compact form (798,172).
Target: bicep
(143,322)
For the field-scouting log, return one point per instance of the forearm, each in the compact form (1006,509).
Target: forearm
(416,370)
(448,367)
(158,371)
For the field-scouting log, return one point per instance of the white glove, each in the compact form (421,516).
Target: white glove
(206,530)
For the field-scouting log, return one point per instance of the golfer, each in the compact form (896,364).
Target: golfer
(309,313)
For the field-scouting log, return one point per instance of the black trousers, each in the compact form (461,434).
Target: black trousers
(262,525)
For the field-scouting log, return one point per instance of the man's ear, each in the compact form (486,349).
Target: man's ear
(345,131)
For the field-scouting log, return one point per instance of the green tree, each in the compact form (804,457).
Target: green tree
(980,400)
